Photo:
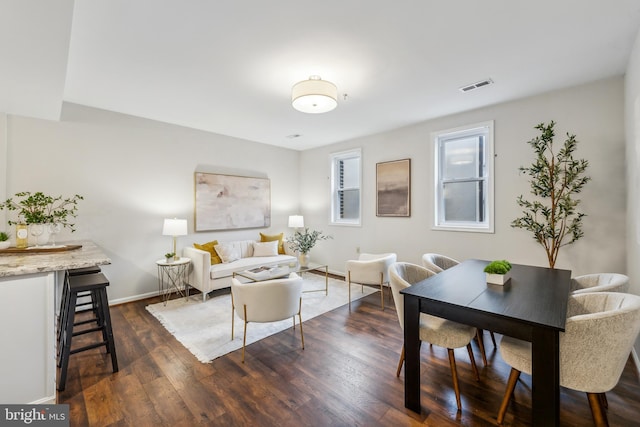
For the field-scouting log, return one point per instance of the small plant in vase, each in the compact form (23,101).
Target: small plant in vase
(498,272)
(303,241)
(4,240)
(170,256)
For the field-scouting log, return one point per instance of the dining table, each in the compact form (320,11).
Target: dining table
(531,306)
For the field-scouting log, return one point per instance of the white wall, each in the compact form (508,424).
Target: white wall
(593,112)
(632,132)
(133,173)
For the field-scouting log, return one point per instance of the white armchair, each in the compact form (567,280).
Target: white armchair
(370,269)
(266,301)
(599,334)
(599,282)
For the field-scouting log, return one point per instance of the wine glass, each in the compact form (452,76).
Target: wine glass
(54,228)
(36,231)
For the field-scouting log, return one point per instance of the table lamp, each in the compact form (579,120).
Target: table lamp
(296,221)
(174,227)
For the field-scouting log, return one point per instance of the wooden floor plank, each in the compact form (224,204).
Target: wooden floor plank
(344,376)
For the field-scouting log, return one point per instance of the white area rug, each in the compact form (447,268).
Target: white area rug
(205,328)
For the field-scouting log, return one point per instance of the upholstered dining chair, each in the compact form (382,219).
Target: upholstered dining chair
(266,301)
(370,269)
(434,330)
(600,282)
(599,333)
(438,263)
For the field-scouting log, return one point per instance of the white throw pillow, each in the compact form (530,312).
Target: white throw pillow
(265,248)
(227,252)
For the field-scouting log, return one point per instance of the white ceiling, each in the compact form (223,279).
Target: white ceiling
(228,66)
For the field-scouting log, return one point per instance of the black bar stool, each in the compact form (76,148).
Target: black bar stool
(96,284)
(65,295)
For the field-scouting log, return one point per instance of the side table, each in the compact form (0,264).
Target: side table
(173,276)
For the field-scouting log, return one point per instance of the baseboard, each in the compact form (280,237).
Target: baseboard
(133,298)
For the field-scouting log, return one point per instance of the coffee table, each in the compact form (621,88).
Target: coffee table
(276,272)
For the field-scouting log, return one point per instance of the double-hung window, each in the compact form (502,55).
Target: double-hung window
(345,187)
(464,178)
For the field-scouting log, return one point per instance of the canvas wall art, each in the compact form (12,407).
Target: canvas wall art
(393,188)
(227,202)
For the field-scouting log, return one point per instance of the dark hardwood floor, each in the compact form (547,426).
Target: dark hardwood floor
(344,377)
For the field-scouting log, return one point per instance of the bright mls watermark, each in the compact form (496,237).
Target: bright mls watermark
(34,415)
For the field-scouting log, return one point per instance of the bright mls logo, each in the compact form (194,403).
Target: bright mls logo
(35,415)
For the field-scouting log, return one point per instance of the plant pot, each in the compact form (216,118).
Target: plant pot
(304,259)
(498,279)
(4,244)
(169,260)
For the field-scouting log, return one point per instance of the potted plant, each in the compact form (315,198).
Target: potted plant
(169,257)
(303,241)
(498,272)
(4,240)
(555,177)
(39,208)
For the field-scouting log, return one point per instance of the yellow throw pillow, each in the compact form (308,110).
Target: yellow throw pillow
(210,247)
(278,237)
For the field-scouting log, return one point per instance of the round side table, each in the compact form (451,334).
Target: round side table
(172,276)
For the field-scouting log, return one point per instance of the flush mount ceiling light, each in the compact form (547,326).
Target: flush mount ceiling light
(314,95)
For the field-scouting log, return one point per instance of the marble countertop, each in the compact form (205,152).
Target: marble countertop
(20,264)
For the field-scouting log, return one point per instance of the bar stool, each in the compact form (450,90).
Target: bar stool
(96,284)
(65,295)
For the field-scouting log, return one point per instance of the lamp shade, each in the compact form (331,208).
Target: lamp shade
(296,221)
(314,95)
(174,227)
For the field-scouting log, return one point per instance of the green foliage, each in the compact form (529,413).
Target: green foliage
(38,208)
(170,255)
(498,267)
(552,216)
(3,236)
(302,242)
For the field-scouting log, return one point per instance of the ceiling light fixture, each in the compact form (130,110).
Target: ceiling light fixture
(314,95)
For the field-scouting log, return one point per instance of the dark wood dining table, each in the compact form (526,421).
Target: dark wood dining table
(531,306)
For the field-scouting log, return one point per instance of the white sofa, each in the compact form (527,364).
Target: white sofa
(206,277)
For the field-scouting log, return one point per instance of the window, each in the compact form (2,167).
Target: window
(464,178)
(345,187)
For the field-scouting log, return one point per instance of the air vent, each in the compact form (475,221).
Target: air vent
(476,85)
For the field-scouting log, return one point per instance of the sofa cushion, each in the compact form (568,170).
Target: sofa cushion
(210,247)
(228,252)
(271,238)
(261,249)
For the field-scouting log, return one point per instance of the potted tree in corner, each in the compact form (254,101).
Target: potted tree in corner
(555,178)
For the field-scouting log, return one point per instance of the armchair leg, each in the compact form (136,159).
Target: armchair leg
(381,290)
(454,375)
(349,287)
(480,338)
(300,318)
(233,309)
(400,362)
(244,337)
(473,362)
(511,385)
(597,411)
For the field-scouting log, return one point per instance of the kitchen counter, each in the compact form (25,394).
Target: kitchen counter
(30,288)
(31,263)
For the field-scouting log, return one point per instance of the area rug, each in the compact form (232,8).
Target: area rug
(204,328)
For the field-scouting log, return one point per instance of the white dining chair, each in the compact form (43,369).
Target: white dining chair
(369,269)
(434,330)
(599,282)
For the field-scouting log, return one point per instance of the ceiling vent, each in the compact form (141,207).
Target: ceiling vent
(476,85)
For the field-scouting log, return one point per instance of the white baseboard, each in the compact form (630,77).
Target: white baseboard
(133,298)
